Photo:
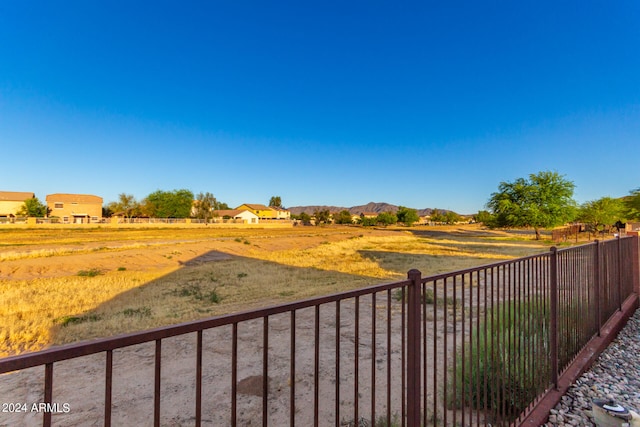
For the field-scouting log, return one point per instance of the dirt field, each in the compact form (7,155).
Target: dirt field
(147,278)
(64,285)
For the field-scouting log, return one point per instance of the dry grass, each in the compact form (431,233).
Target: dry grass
(153,277)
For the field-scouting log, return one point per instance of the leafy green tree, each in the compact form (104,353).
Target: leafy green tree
(387,218)
(304,217)
(126,204)
(33,208)
(275,201)
(204,205)
(366,221)
(632,205)
(544,200)
(322,216)
(600,214)
(343,217)
(484,217)
(169,204)
(407,216)
(437,216)
(451,218)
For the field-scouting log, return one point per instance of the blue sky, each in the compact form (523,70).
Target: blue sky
(421,104)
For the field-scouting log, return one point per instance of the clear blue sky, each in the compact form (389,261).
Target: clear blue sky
(421,104)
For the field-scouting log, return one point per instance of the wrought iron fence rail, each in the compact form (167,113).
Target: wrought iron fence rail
(477,346)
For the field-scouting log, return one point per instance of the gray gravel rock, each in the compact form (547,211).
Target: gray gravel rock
(615,375)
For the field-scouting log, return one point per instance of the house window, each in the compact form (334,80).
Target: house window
(65,219)
(58,205)
(94,218)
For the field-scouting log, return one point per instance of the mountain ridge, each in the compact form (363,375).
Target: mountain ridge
(371,207)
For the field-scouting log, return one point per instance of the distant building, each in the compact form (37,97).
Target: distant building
(12,201)
(281,213)
(75,208)
(244,215)
(368,215)
(266,212)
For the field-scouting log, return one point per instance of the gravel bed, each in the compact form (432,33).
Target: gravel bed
(615,375)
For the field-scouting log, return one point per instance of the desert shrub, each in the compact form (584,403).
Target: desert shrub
(507,359)
(89,273)
(137,312)
(194,290)
(382,421)
(71,320)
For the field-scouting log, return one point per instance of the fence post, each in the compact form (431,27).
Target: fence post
(413,349)
(619,254)
(596,281)
(554,317)
(636,263)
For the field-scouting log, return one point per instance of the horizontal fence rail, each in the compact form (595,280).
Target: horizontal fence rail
(473,347)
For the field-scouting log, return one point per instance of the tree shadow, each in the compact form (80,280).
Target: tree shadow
(212,284)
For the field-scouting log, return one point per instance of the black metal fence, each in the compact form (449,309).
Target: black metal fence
(472,347)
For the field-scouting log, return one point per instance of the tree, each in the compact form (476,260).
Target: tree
(451,218)
(484,217)
(407,216)
(33,208)
(275,201)
(126,204)
(600,214)
(437,216)
(204,205)
(344,217)
(322,216)
(544,200)
(387,218)
(367,221)
(169,204)
(632,204)
(305,218)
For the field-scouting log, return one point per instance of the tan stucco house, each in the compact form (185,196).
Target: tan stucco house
(75,208)
(281,213)
(12,201)
(266,212)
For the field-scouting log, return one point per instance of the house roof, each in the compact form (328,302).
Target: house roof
(256,207)
(15,196)
(278,208)
(227,212)
(78,198)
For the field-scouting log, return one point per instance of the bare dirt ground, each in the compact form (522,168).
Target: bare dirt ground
(80,382)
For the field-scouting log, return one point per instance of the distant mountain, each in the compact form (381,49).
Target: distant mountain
(372,207)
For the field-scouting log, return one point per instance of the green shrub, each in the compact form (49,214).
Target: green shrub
(89,273)
(194,290)
(72,320)
(510,361)
(140,312)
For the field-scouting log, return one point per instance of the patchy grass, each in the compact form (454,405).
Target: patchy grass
(93,272)
(144,278)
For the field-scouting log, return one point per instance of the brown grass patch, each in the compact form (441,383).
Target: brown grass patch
(153,277)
